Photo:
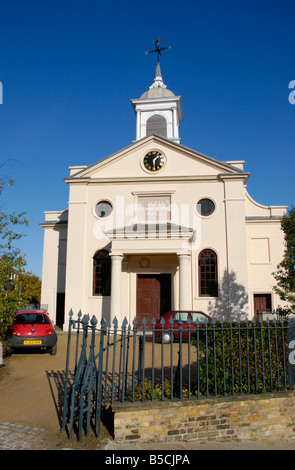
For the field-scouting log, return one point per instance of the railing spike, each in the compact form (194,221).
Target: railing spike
(85,320)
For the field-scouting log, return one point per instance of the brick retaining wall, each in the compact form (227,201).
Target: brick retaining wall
(219,419)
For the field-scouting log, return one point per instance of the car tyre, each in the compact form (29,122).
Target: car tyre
(53,350)
(8,351)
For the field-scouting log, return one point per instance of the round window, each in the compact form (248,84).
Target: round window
(205,207)
(103,208)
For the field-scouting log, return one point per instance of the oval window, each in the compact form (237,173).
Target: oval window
(205,207)
(103,209)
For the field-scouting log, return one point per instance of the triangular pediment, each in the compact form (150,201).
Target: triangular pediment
(180,162)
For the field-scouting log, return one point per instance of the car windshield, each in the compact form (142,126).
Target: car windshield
(32,319)
(198,317)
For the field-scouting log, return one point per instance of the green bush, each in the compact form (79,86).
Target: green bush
(149,393)
(241,357)
(232,358)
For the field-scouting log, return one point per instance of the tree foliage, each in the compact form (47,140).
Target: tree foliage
(12,263)
(285,274)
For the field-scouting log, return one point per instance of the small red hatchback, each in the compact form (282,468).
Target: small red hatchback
(179,318)
(32,329)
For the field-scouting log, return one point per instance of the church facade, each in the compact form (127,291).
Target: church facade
(158,226)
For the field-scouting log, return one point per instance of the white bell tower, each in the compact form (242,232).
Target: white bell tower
(158,111)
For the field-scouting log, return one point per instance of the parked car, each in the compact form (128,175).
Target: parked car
(180,318)
(32,329)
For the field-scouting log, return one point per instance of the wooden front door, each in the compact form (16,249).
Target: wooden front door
(153,297)
(262,302)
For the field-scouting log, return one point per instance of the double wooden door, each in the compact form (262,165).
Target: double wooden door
(153,296)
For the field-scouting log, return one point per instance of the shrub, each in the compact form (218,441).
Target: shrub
(245,357)
(149,393)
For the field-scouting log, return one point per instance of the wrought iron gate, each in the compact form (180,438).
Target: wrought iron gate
(101,372)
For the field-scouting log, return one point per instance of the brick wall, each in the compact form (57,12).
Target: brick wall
(240,418)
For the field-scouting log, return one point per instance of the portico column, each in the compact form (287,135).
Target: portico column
(116,298)
(184,282)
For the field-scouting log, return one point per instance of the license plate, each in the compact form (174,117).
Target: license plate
(28,342)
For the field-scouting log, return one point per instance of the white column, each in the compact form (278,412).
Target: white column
(116,274)
(175,126)
(184,282)
(138,125)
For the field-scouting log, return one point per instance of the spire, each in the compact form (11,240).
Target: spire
(158,79)
(158,70)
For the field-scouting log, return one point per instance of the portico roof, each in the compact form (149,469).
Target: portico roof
(150,230)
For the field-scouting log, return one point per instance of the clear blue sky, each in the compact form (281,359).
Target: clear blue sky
(70,67)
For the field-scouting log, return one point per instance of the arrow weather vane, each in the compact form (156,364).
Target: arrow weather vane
(158,49)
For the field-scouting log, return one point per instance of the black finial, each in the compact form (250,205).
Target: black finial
(158,49)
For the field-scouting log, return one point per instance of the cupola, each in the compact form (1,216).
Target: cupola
(158,110)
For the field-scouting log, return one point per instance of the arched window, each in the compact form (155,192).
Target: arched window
(102,273)
(208,282)
(156,124)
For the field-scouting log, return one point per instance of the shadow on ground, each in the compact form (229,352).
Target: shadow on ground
(56,381)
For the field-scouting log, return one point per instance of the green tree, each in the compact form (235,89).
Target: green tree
(285,274)
(12,264)
(31,288)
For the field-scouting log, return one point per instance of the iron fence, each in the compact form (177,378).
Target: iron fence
(127,363)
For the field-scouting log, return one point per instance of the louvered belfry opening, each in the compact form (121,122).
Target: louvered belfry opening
(156,124)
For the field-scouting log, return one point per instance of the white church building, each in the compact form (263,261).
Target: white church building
(158,226)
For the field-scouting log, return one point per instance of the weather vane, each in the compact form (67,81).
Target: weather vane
(158,49)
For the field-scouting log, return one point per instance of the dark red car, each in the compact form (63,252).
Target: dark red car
(32,329)
(180,318)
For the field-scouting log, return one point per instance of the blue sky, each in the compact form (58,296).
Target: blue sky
(70,67)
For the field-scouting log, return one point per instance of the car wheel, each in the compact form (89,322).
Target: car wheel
(53,350)
(8,351)
(166,337)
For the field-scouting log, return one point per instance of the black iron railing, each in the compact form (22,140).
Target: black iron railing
(131,363)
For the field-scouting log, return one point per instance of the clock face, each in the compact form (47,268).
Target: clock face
(154,160)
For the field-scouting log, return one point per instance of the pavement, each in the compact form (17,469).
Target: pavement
(19,437)
(198,445)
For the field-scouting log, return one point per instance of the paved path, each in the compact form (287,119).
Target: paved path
(18,437)
(196,445)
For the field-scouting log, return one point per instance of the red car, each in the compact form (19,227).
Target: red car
(32,329)
(165,332)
